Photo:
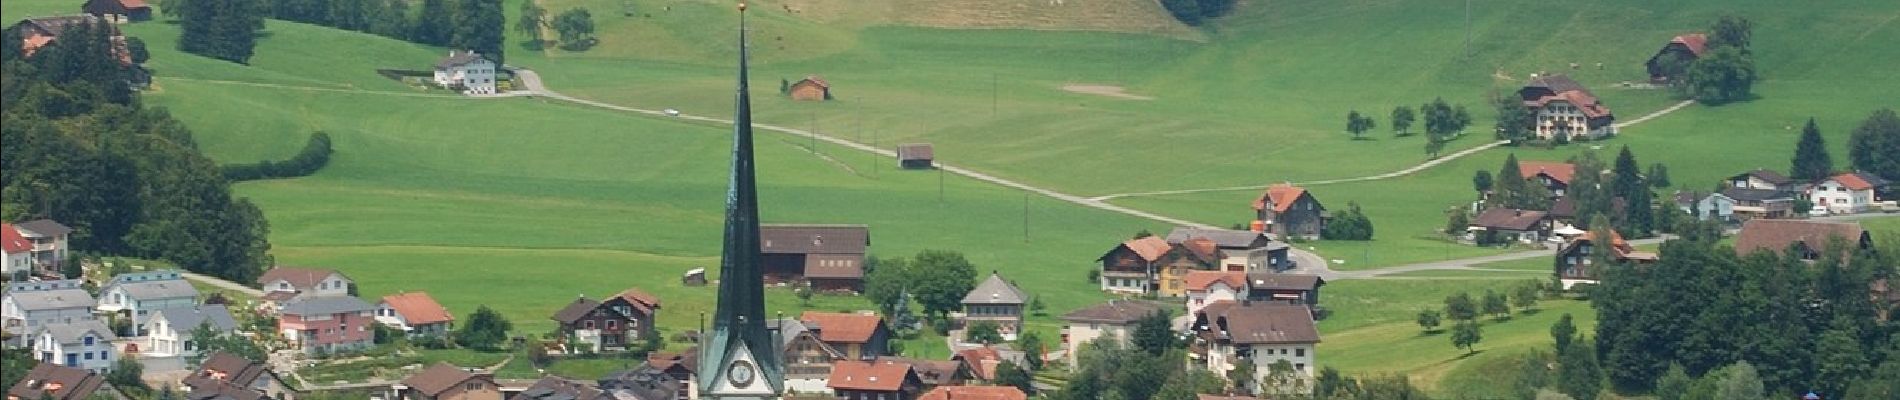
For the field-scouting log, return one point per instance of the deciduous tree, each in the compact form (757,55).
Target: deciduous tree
(531,20)
(1466,335)
(1402,118)
(1461,307)
(1875,144)
(485,330)
(1154,333)
(939,279)
(1496,305)
(576,27)
(1428,319)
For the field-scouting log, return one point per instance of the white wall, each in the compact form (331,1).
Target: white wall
(101,352)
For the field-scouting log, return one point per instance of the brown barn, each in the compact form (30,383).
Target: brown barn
(829,257)
(38,32)
(1676,56)
(1289,211)
(812,88)
(916,156)
(119,10)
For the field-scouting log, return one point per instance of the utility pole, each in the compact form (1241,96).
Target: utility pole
(814,132)
(993,95)
(1025,215)
(939,184)
(1467,28)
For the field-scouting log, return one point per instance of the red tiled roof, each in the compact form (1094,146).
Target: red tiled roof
(1282,195)
(1777,234)
(638,298)
(817,80)
(1150,248)
(982,361)
(842,327)
(1853,182)
(882,376)
(1560,171)
(974,393)
(1696,42)
(12,241)
(418,308)
(1200,280)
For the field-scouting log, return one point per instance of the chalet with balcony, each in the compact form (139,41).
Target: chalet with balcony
(1114,321)
(856,336)
(1506,224)
(996,300)
(38,247)
(1562,107)
(56,382)
(592,326)
(1228,334)
(1298,289)
(1805,239)
(874,380)
(1239,250)
(828,257)
(1575,265)
(1131,266)
(443,381)
(1289,211)
(807,357)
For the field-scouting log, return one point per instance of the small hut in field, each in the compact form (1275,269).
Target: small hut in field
(812,88)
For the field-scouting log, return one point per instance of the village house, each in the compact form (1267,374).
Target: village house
(856,336)
(664,376)
(934,373)
(1706,206)
(170,331)
(466,71)
(594,327)
(874,380)
(1130,266)
(1228,334)
(444,381)
(135,295)
(1676,56)
(980,362)
(1114,321)
(327,324)
(81,344)
(1764,179)
(1204,287)
(1575,265)
(1197,254)
(916,156)
(807,358)
(286,283)
(38,247)
(415,313)
(1759,203)
(557,388)
(56,382)
(1506,225)
(1849,193)
(828,257)
(1555,176)
(1298,289)
(38,32)
(1563,107)
(227,375)
(1289,211)
(974,393)
(1808,239)
(812,88)
(1563,210)
(26,306)
(997,301)
(1239,250)
(118,11)
(640,307)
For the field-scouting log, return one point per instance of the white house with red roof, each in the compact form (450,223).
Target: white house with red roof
(1565,108)
(1848,193)
(37,246)
(16,253)
(414,313)
(1206,287)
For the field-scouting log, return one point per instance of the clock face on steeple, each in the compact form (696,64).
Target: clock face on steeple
(741,373)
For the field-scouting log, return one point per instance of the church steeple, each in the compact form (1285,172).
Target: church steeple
(744,359)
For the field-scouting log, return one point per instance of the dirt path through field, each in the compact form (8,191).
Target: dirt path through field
(1104,90)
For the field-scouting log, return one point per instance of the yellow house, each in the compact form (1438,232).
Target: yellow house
(1197,254)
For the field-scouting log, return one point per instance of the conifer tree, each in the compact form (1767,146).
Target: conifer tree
(1811,161)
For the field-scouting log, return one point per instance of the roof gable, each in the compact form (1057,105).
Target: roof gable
(303,279)
(439,378)
(995,290)
(12,242)
(1279,281)
(1148,248)
(813,238)
(418,308)
(187,319)
(326,305)
(1776,235)
(974,393)
(1203,280)
(1114,312)
(576,310)
(1281,196)
(58,382)
(43,228)
(843,327)
(1509,219)
(1697,43)
(1225,238)
(878,376)
(1852,181)
(1558,171)
(1263,322)
(915,151)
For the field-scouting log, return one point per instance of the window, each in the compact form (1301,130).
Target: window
(88,340)
(587,324)
(1300,352)
(472,386)
(88,356)
(1299,367)
(613,324)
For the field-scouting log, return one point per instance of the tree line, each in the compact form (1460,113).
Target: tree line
(1443,122)
(1196,12)
(315,155)
(79,148)
(575,27)
(228,29)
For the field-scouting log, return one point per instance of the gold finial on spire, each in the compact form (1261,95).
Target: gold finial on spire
(741,6)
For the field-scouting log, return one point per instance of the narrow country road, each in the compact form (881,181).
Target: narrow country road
(222,284)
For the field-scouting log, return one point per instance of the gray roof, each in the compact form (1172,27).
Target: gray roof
(457,58)
(162,289)
(73,331)
(326,305)
(995,290)
(1224,238)
(1743,194)
(186,319)
(44,227)
(1114,312)
(21,286)
(34,300)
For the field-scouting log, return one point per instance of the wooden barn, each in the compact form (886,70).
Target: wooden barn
(119,10)
(1675,56)
(812,88)
(916,156)
(829,257)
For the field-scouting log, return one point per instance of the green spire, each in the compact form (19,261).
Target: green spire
(739,318)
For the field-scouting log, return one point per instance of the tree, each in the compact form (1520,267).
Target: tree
(1811,162)
(1482,182)
(1189,385)
(1032,347)
(1036,307)
(1731,31)
(171,8)
(939,279)
(1639,218)
(135,48)
(1348,224)
(1154,333)
(1658,176)
(212,341)
(1402,118)
(1839,358)
(1496,305)
(1525,297)
(1456,221)
(477,25)
(532,19)
(1722,76)
(1428,319)
(221,29)
(1515,122)
(884,280)
(1578,374)
(125,375)
(1465,335)
(804,293)
(433,23)
(1008,374)
(485,330)
(1875,145)
(1187,11)
(1674,385)
(1563,333)
(983,332)
(1740,382)
(1358,124)
(1511,187)
(1441,122)
(576,27)
(1460,307)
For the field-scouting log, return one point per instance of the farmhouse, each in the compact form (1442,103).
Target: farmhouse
(1676,56)
(415,313)
(1262,333)
(974,393)
(812,88)
(664,376)
(916,156)
(980,362)
(1764,179)
(81,344)
(1239,250)
(1113,321)
(640,308)
(1565,108)
(866,380)
(223,374)
(327,324)
(34,247)
(467,71)
(52,381)
(1807,239)
(170,331)
(596,326)
(27,306)
(1760,203)
(1299,289)
(135,295)
(807,357)
(444,381)
(557,388)
(37,32)
(1706,206)
(1289,211)
(1574,264)
(1563,211)
(1204,287)
(829,257)
(1130,266)
(1555,176)
(119,11)
(934,373)
(997,301)
(1197,254)
(1849,193)
(1505,224)
(856,336)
